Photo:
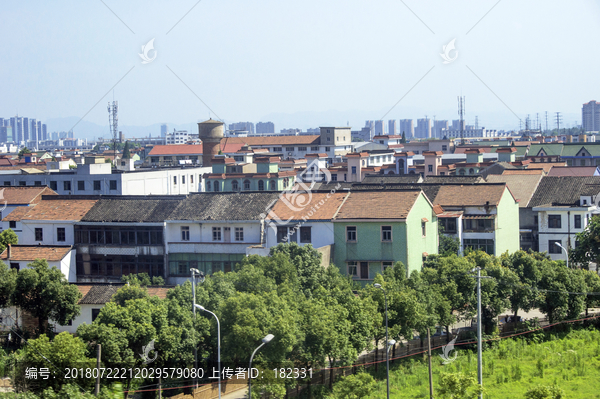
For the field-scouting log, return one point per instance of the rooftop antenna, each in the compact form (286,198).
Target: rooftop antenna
(113,123)
(461,114)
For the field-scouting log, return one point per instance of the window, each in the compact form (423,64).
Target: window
(12,224)
(289,149)
(217,186)
(553,248)
(277,149)
(192,179)
(208,186)
(449,225)
(216,233)
(22,183)
(272,185)
(239,234)
(95,313)
(577,221)
(60,234)
(261,185)
(183,179)
(97,185)
(314,148)
(305,235)
(385,265)
(354,170)
(39,234)
(7,183)
(478,225)
(486,246)
(444,147)
(351,233)
(185,233)
(301,148)
(334,177)
(430,168)
(554,221)
(37,183)
(471,171)
(386,233)
(423,228)
(282,232)
(353,269)
(15,265)
(67,185)
(235,186)
(112,184)
(327,149)
(81,185)
(246,185)
(174,179)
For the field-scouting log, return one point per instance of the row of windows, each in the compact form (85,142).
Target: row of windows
(360,270)
(386,233)
(247,184)
(290,234)
(66,185)
(180,264)
(555,221)
(119,265)
(183,179)
(39,233)
(218,233)
(475,244)
(118,236)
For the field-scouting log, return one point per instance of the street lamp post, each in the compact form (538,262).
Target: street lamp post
(265,341)
(201,275)
(387,340)
(218,343)
(566,252)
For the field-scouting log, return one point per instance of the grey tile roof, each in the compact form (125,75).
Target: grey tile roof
(132,209)
(453,179)
(224,206)
(521,186)
(392,179)
(561,190)
(99,294)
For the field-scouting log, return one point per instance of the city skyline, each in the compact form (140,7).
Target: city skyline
(506,66)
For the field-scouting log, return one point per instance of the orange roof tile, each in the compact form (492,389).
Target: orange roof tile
(378,205)
(328,205)
(469,195)
(17,214)
(63,209)
(24,195)
(25,253)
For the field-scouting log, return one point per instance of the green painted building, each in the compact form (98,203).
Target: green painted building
(375,229)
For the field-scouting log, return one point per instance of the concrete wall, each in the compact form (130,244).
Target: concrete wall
(322,234)
(507,225)
(417,243)
(202,233)
(49,228)
(84,317)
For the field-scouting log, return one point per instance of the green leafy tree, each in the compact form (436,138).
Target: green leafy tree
(527,267)
(448,245)
(588,245)
(459,386)
(355,386)
(8,280)
(557,283)
(403,139)
(24,151)
(44,292)
(8,237)
(545,392)
(126,148)
(63,352)
(142,279)
(307,261)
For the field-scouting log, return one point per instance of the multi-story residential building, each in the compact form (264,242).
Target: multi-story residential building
(590,116)
(213,231)
(379,128)
(423,129)
(164,129)
(407,127)
(177,137)
(438,128)
(375,229)
(242,126)
(265,127)
(392,127)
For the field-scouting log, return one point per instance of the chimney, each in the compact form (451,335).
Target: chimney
(8,251)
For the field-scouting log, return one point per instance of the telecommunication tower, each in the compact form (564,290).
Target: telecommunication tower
(113,123)
(461,114)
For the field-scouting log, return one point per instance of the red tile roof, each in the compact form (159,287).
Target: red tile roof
(304,206)
(16,195)
(64,209)
(378,205)
(25,253)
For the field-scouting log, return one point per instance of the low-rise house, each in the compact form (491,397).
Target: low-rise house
(212,232)
(375,229)
(60,256)
(12,198)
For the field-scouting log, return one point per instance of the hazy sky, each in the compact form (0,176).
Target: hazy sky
(325,62)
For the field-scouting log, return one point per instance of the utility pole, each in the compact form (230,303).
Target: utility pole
(461,113)
(546,121)
(429,361)
(99,353)
(558,120)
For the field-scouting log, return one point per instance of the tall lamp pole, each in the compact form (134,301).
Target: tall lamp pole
(387,340)
(265,341)
(195,272)
(218,342)
(479,343)
(566,252)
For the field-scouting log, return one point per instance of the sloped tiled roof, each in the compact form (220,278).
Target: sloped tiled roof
(572,149)
(14,195)
(561,190)
(522,187)
(391,179)
(378,205)
(60,209)
(17,214)
(176,149)
(573,171)
(29,253)
(101,294)
(469,195)
(549,149)
(133,209)
(452,179)
(224,206)
(519,172)
(328,204)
